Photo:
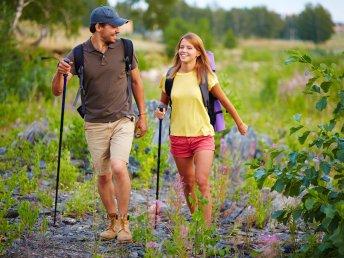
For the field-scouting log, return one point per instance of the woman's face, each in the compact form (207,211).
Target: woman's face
(187,52)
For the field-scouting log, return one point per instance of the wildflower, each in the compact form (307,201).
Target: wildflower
(184,230)
(269,239)
(152,245)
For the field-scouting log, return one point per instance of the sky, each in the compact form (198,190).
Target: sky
(283,7)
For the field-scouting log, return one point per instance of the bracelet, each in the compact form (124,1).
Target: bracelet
(142,114)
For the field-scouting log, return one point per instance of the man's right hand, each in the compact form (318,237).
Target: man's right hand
(64,67)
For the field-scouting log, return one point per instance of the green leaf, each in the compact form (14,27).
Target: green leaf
(341,97)
(279,185)
(259,174)
(329,211)
(329,127)
(325,86)
(293,156)
(321,104)
(323,66)
(309,203)
(291,59)
(326,179)
(315,88)
(325,167)
(297,117)
(311,81)
(303,137)
(340,155)
(275,153)
(306,59)
(326,222)
(294,52)
(295,129)
(278,214)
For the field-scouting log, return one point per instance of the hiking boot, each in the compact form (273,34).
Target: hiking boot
(111,230)
(123,233)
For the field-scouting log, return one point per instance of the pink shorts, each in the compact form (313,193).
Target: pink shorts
(184,147)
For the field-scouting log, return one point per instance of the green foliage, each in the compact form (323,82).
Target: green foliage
(230,40)
(177,28)
(270,91)
(316,174)
(172,33)
(146,154)
(265,24)
(257,55)
(28,214)
(47,14)
(158,13)
(75,138)
(81,202)
(315,24)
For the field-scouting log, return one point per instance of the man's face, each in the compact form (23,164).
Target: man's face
(108,33)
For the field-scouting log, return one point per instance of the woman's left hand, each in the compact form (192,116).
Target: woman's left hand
(242,127)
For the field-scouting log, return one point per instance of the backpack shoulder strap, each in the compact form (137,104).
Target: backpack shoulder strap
(128,53)
(168,83)
(204,91)
(78,53)
(128,59)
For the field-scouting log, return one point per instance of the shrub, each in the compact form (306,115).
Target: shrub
(315,173)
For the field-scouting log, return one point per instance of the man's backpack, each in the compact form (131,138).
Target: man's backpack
(212,104)
(79,68)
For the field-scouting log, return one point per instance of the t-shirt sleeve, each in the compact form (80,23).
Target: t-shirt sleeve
(162,83)
(135,62)
(212,80)
(70,56)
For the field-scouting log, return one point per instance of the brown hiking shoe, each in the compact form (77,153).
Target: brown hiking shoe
(123,233)
(111,230)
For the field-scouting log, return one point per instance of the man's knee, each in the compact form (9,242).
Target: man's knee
(104,179)
(119,169)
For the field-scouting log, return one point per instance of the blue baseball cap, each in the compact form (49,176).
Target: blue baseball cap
(106,14)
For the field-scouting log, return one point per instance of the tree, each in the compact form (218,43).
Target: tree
(230,40)
(172,33)
(315,24)
(266,24)
(48,13)
(158,13)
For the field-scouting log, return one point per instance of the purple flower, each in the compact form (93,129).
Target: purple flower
(269,239)
(184,230)
(152,245)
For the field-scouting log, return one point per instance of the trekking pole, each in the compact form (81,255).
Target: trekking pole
(60,140)
(161,108)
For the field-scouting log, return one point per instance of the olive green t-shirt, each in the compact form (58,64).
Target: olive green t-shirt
(105,82)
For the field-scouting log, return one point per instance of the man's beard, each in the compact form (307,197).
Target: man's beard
(110,42)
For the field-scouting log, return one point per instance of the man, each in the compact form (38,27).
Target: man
(109,119)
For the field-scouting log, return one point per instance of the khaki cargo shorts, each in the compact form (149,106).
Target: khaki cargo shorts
(109,141)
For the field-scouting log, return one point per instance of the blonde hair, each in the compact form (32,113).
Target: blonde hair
(202,62)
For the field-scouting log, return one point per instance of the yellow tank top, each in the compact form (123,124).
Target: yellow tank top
(189,116)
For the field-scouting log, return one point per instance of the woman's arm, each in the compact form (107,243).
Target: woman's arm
(220,95)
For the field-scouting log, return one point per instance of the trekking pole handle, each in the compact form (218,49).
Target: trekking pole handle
(161,108)
(67,60)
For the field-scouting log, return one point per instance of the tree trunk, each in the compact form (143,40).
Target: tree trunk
(43,34)
(19,11)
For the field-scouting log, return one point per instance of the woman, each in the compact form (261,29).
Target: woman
(191,133)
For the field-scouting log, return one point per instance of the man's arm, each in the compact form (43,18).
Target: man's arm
(137,87)
(57,82)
